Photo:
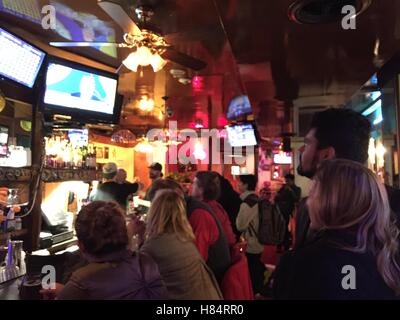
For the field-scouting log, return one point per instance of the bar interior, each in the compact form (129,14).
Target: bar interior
(135,94)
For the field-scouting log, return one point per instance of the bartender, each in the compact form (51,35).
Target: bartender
(110,190)
(155,173)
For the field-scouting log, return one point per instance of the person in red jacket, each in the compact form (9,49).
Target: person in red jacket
(206,187)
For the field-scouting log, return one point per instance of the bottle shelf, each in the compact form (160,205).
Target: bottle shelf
(16,174)
(59,175)
(13,234)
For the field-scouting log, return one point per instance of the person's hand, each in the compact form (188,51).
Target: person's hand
(3,195)
(140,185)
(136,227)
(51,294)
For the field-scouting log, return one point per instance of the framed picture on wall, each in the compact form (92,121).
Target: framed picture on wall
(99,153)
(106,152)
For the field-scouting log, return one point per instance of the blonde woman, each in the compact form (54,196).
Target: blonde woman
(354,254)
(171,243)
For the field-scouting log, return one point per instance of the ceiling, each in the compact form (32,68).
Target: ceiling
(250,46)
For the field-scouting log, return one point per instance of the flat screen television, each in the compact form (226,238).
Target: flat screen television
(19,61)
(85,94)
(239,107)
(78,137)
(282,158)
(3,141)
(242,135)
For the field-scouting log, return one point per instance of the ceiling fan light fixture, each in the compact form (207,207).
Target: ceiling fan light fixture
(144,55)
(157,62)
(132,62)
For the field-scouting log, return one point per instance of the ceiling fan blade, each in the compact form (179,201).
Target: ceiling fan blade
(86,44)
(118,14)
(183,59)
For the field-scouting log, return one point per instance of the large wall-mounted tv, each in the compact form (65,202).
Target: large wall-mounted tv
(19,61)
(239,107)
(242,135)
(85,94)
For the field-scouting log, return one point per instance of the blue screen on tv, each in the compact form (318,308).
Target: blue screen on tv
(77,89)
(19,61)
(239,107)
(242,135)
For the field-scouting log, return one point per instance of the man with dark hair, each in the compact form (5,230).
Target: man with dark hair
(287,197)
(334,133)
(155,173)
(210,236)
(121,176)
(248,180)
(247,221)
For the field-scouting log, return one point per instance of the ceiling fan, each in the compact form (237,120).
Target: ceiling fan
(148,44)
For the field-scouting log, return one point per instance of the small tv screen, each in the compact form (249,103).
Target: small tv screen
(19,61)
(78,137)
(239,107)
(242,135)
(3,141)
(282,158)
(80,91)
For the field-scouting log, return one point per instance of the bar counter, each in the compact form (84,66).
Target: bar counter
(10,289)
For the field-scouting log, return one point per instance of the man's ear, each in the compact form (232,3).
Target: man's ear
(81,246)
(327,153)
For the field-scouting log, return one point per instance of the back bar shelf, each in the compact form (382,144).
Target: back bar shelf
(59,175)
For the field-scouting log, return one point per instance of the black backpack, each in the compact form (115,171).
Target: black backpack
(271,224)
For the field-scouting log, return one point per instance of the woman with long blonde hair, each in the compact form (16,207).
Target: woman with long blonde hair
(355,252)
(171,243)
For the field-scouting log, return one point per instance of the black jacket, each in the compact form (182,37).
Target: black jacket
(315,272)
(219,257)
(303,218)
(112,191)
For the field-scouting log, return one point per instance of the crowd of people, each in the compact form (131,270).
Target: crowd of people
(206,245)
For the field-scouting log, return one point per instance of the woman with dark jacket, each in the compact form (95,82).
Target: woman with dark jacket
(354,253)
(113,272)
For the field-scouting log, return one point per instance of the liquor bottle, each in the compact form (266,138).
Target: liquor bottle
(89,161)
(71,156)
(84,157)
(18,223)
(10,220)
(94,159)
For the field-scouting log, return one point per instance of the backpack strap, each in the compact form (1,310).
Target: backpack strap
(251,200)
(252,230)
